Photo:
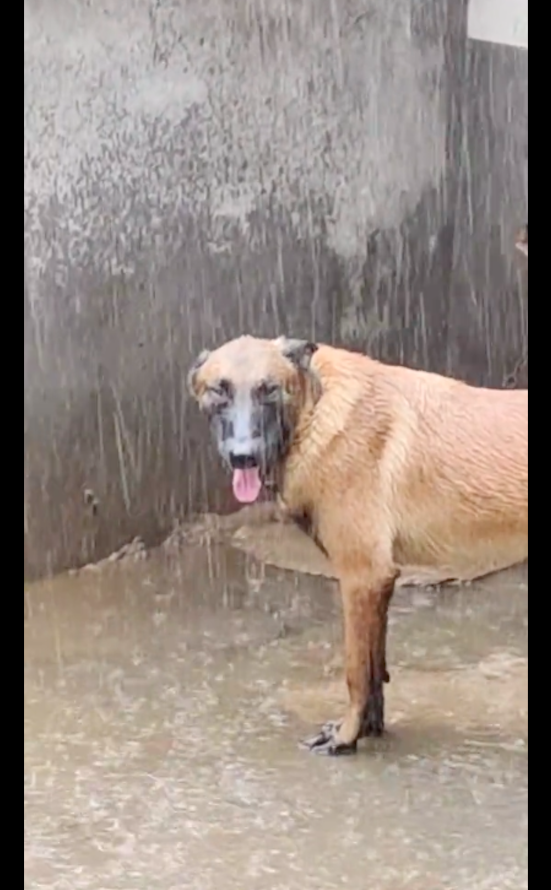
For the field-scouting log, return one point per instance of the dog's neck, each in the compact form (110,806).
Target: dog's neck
(313,390)
(302,444)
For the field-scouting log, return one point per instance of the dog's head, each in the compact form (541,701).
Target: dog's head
(252,391)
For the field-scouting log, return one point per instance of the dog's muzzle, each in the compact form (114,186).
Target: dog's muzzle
(243,461)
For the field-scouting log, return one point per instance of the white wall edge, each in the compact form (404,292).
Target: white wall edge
(499,21)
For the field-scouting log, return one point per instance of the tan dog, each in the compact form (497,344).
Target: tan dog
(389,465)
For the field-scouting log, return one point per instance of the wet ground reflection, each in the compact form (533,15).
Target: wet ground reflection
(164,698)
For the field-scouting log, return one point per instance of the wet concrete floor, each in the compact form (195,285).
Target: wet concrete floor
(164,699)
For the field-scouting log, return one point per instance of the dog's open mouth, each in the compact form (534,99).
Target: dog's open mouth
(247,485)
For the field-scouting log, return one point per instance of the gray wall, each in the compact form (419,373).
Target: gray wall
(196,168)
(488,321)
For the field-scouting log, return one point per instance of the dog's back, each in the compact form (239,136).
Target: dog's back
(449,461)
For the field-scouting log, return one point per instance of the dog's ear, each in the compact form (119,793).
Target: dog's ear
(299,352)
(192,374)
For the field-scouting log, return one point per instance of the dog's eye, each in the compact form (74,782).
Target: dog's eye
(220,389)
(219,394)
(268,390)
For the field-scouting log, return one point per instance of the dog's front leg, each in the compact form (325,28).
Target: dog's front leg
(365,607)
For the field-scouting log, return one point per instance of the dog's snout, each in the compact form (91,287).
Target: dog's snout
(242,461)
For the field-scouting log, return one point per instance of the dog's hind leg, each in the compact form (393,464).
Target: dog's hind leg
(366,597)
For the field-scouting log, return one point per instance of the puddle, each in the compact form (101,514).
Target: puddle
(164,699)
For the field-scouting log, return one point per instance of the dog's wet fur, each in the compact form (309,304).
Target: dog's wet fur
(385,466)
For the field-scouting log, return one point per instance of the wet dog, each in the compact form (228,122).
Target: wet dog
(388,466)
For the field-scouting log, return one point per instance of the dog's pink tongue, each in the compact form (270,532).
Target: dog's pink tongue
(246,485)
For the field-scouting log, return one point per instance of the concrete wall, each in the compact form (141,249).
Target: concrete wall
(489,286)
(196,168)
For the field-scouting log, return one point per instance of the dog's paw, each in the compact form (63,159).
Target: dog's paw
(327,742)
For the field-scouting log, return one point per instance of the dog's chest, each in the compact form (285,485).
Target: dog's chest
(305,522)
(298,498)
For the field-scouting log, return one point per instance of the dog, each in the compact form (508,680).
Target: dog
(386,465)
